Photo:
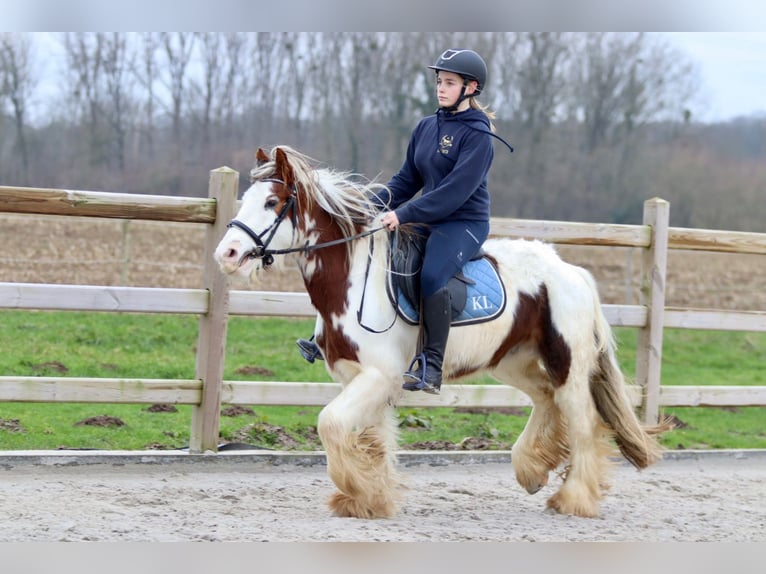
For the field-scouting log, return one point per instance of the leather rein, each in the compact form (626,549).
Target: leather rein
(261,249)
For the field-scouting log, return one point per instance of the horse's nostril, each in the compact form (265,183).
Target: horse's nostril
(231,254)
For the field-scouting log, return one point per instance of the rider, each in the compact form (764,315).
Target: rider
(448,157)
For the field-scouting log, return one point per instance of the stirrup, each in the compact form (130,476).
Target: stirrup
(415,380)
(309,350)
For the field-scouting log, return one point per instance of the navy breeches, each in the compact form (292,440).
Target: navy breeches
(449,247)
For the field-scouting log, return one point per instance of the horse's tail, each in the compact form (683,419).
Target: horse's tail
(610,392)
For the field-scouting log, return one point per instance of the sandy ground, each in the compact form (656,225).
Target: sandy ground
(715,496)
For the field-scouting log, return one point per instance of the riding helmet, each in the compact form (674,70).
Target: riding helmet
(466,63)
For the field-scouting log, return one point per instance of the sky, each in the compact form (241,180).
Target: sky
(732,63)
(732,67)
(733,70)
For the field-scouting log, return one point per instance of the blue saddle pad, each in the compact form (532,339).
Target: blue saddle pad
(485,299)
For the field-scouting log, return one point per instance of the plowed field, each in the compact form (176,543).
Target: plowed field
(92,251)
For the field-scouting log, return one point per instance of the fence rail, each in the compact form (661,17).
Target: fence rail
(214,303)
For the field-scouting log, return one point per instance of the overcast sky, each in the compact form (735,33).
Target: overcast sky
(732,66)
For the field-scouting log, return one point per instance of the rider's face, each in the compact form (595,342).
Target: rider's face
(448,87)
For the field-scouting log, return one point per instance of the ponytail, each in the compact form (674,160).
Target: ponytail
(476,105)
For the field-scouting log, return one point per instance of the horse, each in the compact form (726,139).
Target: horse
(551,341)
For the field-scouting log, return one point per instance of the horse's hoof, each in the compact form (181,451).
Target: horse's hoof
(345,506)
(534,489)
(532,482)
(583,508)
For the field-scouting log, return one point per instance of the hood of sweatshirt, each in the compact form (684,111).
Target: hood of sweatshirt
(472,118)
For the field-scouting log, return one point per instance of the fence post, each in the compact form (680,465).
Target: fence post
(211,342)
(653,281)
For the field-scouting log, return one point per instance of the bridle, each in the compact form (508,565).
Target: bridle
(261,249)
(261,246)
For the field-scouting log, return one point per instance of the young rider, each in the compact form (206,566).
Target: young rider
(448,158)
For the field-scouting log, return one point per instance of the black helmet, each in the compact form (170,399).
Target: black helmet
(466,63)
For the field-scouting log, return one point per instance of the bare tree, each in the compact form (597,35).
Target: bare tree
(359,61)
(540,82)
(17,83)
(616,85)
(146,72)
(232,90)
(178,48)
(117,64)
(536,82)
(84,54)
(256,70)
(300,51)
(623,80)
(212,56)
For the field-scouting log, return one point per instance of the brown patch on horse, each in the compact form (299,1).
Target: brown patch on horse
(533,323)
(327,288)
(336,345)
(328,285)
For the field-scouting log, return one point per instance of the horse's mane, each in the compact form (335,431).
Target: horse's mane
(345,196)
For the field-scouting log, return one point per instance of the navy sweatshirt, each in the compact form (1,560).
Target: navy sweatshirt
(448,157)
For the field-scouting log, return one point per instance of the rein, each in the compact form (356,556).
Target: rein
(268,254)
(261,246)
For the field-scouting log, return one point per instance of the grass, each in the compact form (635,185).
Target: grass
(79,344)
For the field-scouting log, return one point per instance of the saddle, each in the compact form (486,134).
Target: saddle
(477,292)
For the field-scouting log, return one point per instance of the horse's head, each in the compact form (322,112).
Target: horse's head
(291,207)
(266,220)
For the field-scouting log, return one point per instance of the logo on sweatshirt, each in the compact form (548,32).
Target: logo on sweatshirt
(445,144)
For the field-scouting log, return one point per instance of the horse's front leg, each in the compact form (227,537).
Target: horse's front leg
(359,432)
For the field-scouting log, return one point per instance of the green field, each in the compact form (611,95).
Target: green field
(40,343)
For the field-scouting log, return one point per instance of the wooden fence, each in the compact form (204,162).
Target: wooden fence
(214,302)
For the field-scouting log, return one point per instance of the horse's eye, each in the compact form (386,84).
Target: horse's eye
(271,203)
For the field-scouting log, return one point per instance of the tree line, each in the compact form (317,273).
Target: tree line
(600,121)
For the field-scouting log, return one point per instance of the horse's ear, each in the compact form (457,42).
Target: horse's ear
(261,157)
(283,170)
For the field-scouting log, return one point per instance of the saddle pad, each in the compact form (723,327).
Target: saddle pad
(485,300)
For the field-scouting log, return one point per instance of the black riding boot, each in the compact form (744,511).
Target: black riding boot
(309,350)
(437,316)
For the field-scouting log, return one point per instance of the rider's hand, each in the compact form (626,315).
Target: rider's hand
(390,221)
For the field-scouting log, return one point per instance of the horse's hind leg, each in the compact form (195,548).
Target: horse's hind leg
(541,446)
(589,447)
(359,431)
